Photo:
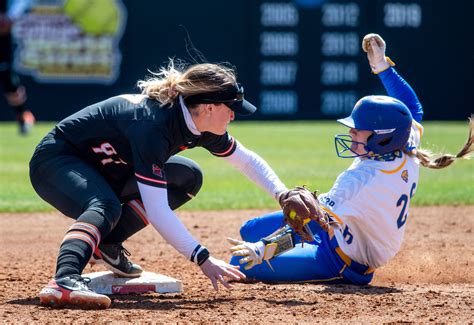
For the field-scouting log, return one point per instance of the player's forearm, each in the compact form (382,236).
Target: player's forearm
(256,169)
(398,88)
(173,231)
(164,220)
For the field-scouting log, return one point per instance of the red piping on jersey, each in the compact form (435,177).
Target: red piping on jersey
(150,179)
(227,151)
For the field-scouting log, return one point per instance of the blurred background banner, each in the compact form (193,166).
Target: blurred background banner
(72,41)
(298,60)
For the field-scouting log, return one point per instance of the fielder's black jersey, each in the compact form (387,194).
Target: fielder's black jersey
(120,136)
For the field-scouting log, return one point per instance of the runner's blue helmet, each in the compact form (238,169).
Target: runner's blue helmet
(388,118)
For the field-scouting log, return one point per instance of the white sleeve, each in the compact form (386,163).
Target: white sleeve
(165,221)
(256,169)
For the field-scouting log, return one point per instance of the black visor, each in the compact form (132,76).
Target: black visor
(233,97)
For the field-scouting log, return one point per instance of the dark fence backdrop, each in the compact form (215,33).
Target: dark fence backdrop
(297,59)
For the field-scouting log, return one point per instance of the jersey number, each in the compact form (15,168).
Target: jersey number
(108,150)
(403,201)
(348,237)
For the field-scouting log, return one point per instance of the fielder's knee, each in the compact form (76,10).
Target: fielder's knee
(184,173)
(184,178)
(195,182)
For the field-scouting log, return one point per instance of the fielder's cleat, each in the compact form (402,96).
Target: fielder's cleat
(26,121)
(73,291)
(114,258)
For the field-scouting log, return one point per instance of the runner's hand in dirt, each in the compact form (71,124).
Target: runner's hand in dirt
(216,269)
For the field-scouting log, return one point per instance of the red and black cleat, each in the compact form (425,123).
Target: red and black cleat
(72,291)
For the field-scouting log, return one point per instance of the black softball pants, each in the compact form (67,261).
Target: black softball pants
(105,211)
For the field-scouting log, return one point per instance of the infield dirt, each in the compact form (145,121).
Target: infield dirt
(430,280)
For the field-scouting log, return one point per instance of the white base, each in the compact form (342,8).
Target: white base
(107,283)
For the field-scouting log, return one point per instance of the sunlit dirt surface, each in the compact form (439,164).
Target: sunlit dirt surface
(430,280)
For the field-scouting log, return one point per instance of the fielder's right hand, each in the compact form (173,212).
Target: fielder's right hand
(216,269)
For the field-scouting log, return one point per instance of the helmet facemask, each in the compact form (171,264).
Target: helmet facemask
(344,143)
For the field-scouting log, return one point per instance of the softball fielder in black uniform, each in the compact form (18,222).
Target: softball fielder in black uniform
(110,162)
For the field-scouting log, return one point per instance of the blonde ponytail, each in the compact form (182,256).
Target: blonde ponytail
(170,82)
(162,85)
(426,157)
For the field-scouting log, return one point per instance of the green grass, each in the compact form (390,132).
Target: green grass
(300,153)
